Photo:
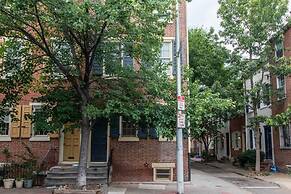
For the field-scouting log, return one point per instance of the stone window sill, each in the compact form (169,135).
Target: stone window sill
(128,139)
(40,138)
(5,138)
(167,140)
(285,148)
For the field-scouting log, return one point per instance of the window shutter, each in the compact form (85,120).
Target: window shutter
(142,133)
(153,133)
(15,125)
(97,67)
(174,69)
(114,126)
(127,61)
(53,135)
(26,122)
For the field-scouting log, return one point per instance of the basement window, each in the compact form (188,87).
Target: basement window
(163,171)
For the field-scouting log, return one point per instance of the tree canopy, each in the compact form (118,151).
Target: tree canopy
(86,59)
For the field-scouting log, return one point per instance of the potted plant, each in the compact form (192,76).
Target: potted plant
(28,180)
(8,183)
(19,182)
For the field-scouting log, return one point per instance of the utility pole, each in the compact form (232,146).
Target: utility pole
(180,108)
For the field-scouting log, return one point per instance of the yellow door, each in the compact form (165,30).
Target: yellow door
(72,145)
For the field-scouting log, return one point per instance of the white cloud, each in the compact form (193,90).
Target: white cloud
(203,13)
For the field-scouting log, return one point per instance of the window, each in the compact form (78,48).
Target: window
(113,56)
(166,55)
(280,87)
(5,125)
(163,171)
(251,139)
(38,134)
(285,133)
(12,60)
(266,101)
(128,129)
(279,49)
(236,140)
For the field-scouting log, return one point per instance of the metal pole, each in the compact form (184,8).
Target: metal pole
(179,138)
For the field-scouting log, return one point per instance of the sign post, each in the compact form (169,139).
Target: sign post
(180,108)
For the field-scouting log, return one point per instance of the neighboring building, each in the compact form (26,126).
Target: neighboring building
(264,109)
(232,139)
(281,100)
(132,155)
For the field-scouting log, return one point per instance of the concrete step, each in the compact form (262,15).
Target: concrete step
(50,183)
(66,175)
(74,174)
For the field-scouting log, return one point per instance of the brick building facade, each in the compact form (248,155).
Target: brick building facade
(281,101)
(132,158)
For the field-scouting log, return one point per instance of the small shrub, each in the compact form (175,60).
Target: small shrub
(249,158)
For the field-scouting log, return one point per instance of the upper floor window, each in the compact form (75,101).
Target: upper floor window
(113,56)
(5,125)
(285,134)
(281,90)
(266,100)
(279,49)
(166,55)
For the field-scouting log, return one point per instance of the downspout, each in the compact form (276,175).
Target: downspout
(187,64)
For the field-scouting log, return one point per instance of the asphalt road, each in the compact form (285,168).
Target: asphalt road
(248,184)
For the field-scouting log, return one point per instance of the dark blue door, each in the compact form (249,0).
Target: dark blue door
(99,141)
(268,142)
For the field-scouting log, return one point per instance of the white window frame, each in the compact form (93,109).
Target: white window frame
(163,166)
(282,146)
(126,138)
(33,136)
(7,137)
(171,59)
(236,140)
(276,48)
(284,87)
(1,61)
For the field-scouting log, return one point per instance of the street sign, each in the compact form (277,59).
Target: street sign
(181,120)
(181,103)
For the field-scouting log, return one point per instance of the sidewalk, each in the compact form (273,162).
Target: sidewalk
(281,179)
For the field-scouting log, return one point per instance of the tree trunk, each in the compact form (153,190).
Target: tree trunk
(85,134)
(258,150)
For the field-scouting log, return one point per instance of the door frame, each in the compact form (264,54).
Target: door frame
(108,146)
(61,148)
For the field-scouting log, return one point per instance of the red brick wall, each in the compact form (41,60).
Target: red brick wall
(132,160)
(282,156)
(171,30)
(47,152)
(237,124)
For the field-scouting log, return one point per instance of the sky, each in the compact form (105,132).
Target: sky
(203,13)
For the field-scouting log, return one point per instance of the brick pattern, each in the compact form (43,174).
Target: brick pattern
(282,156)
(237,124)
(132,160)
(45,152)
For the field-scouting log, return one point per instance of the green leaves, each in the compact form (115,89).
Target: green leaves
(207,111)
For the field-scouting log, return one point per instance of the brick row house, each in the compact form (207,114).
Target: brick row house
(280,102)
(275,141)
(134,157)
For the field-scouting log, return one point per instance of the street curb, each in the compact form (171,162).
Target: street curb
(257,178)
